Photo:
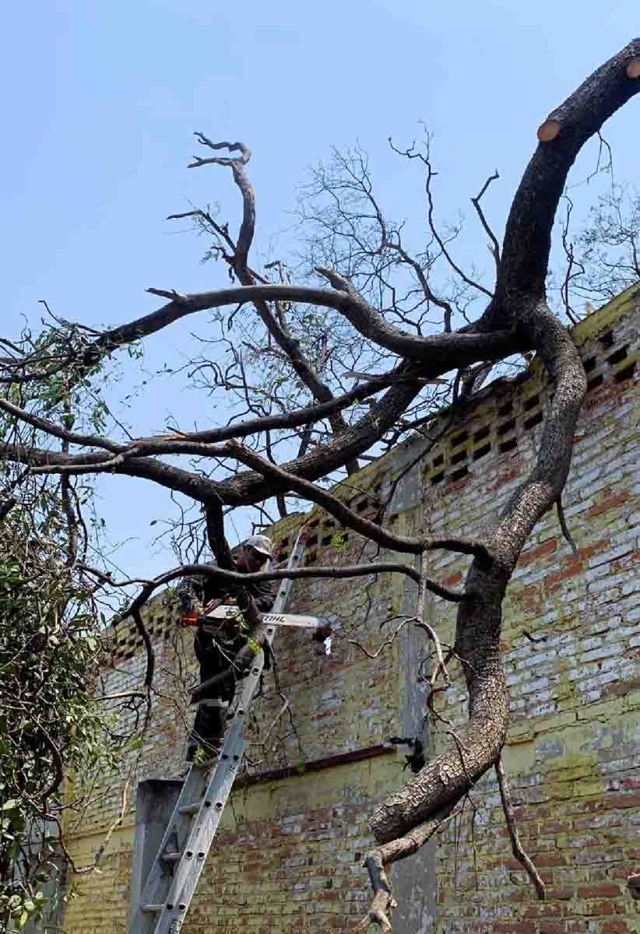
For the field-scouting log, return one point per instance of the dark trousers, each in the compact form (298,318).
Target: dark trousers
(215,654)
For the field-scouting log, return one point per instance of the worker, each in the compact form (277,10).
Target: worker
(217,642)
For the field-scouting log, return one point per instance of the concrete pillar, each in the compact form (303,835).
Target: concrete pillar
(414,879)
(155,802)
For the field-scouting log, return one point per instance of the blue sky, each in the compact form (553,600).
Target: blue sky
(101,100)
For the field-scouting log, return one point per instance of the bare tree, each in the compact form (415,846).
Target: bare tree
(375,312)
(607,249)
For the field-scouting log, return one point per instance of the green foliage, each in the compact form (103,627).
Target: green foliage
(50,722)
(18,909)
(340,542)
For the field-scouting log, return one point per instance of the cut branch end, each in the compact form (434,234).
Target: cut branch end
(633,68)
(548,130)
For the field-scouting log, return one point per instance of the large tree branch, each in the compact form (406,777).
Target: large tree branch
(527,240)
(216,537)
(324,459)
(522,273)
(243,489)
(190,484)
(437,354)
(235,577)
(178,442)
(365,527)
(276,325)
(377,859)
(478,743)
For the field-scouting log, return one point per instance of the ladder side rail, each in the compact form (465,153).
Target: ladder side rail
(157,882)
(167,910)
(205,825)
(294,560)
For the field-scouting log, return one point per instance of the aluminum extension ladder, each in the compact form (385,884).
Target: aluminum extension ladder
(175,871)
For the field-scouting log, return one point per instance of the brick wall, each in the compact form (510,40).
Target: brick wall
(571,639)
(288,857)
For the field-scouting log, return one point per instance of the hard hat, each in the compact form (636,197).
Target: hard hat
(261,544)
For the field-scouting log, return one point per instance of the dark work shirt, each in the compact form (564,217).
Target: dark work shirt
(192,590)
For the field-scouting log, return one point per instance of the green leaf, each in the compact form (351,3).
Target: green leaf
(253,645)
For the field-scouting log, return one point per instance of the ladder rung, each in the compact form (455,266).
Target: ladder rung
(215,789)
(190,808)
(171,857)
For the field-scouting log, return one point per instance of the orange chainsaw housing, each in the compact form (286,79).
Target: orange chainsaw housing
(192,618)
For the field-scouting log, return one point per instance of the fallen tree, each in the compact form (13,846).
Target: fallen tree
(313,338)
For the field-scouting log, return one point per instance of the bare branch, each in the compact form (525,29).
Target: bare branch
(347,516)
(245,153)
(495,246)
(275,325)
(412,153)
(441,667)
(384,645)
(564,526)
(516,845)
(378,859)
(148,647)
(455,349)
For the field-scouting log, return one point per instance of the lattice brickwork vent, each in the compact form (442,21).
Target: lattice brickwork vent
(127,641)
(327,535)
(499,426)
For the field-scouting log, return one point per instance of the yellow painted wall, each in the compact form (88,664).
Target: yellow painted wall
(288,857)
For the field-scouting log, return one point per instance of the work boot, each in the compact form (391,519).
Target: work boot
(201,751)
(208,730)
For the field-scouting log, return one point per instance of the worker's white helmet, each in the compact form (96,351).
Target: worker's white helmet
(261,544)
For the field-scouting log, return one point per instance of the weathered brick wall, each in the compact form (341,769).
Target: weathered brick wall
(571,639)
(288,857)
(291,849)
(339,702)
